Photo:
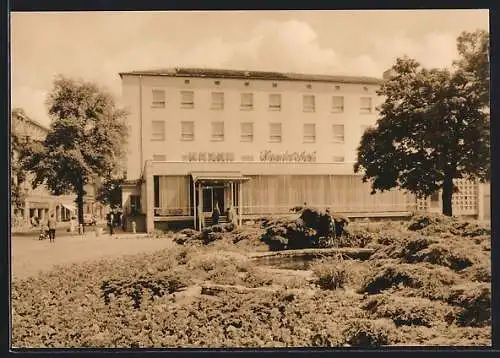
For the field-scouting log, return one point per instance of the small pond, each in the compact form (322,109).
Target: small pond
(303,262)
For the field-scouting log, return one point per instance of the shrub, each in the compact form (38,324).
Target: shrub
(289,235)
(241,236)
(466,229)
(407,275)
(331,274)
(136,289)
(439,254)
(437,222)
(475,302)
(404,249)
(370,333)
(189,232)
(321,222)
(313,229)
(412,311)
(355,236)
(479,272)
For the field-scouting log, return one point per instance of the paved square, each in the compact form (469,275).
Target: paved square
(30,255)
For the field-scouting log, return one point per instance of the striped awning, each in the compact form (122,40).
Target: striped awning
(218,176)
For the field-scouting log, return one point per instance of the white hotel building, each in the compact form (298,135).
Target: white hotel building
(264,141)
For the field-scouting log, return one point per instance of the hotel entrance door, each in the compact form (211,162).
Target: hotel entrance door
(211,196)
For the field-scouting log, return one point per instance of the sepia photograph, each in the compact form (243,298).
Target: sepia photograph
(250,179)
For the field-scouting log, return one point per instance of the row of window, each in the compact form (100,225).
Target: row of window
(247,102)
(247,132)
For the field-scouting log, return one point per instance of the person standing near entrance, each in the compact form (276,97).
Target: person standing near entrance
(216,214)
(52,228)
(111,222)
(231,215)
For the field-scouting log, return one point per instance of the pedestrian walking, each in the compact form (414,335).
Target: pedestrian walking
(111,222)
(52,228)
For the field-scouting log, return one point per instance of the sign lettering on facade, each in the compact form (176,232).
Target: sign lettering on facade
(265,156)
(208,157)
(304,157)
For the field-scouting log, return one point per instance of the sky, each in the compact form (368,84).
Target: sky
(96,46)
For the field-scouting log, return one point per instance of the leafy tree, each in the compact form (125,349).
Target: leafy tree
(85,139)
(432,128)
(474,62)
(110,192)
(17,174)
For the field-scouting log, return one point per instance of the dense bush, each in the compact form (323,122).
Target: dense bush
(438,222)
(430,224)
(146,286)
(370,333)
(407,312)
(440,254)
(290,235)
(403,248)
(313,229)
(331,274)
(417,276)
(474,299)
(478,273)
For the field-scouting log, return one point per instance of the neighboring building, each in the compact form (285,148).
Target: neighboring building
(263,141)
(39,202)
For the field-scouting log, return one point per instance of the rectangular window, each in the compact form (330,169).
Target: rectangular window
(338,133)
(159,157)
(246,101)
(275,102)
(187,131)
(337,104)
(275,132)
(158,99)
(247,132)
(309,103)
(338,159)
(187,99)
(309,133)
(366,105)
(158,130)
(217,100)
(217,131)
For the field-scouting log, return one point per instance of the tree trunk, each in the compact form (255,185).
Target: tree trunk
(79,200)
(447,208)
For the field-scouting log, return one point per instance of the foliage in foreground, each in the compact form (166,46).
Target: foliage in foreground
(313,229)
(156,300)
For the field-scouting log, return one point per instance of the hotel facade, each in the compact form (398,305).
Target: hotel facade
(262,142)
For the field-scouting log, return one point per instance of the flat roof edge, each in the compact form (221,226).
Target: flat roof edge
(293,77)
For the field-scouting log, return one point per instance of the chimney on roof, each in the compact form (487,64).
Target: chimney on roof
(387,75)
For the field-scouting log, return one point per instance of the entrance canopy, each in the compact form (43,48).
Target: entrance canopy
(218,176)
